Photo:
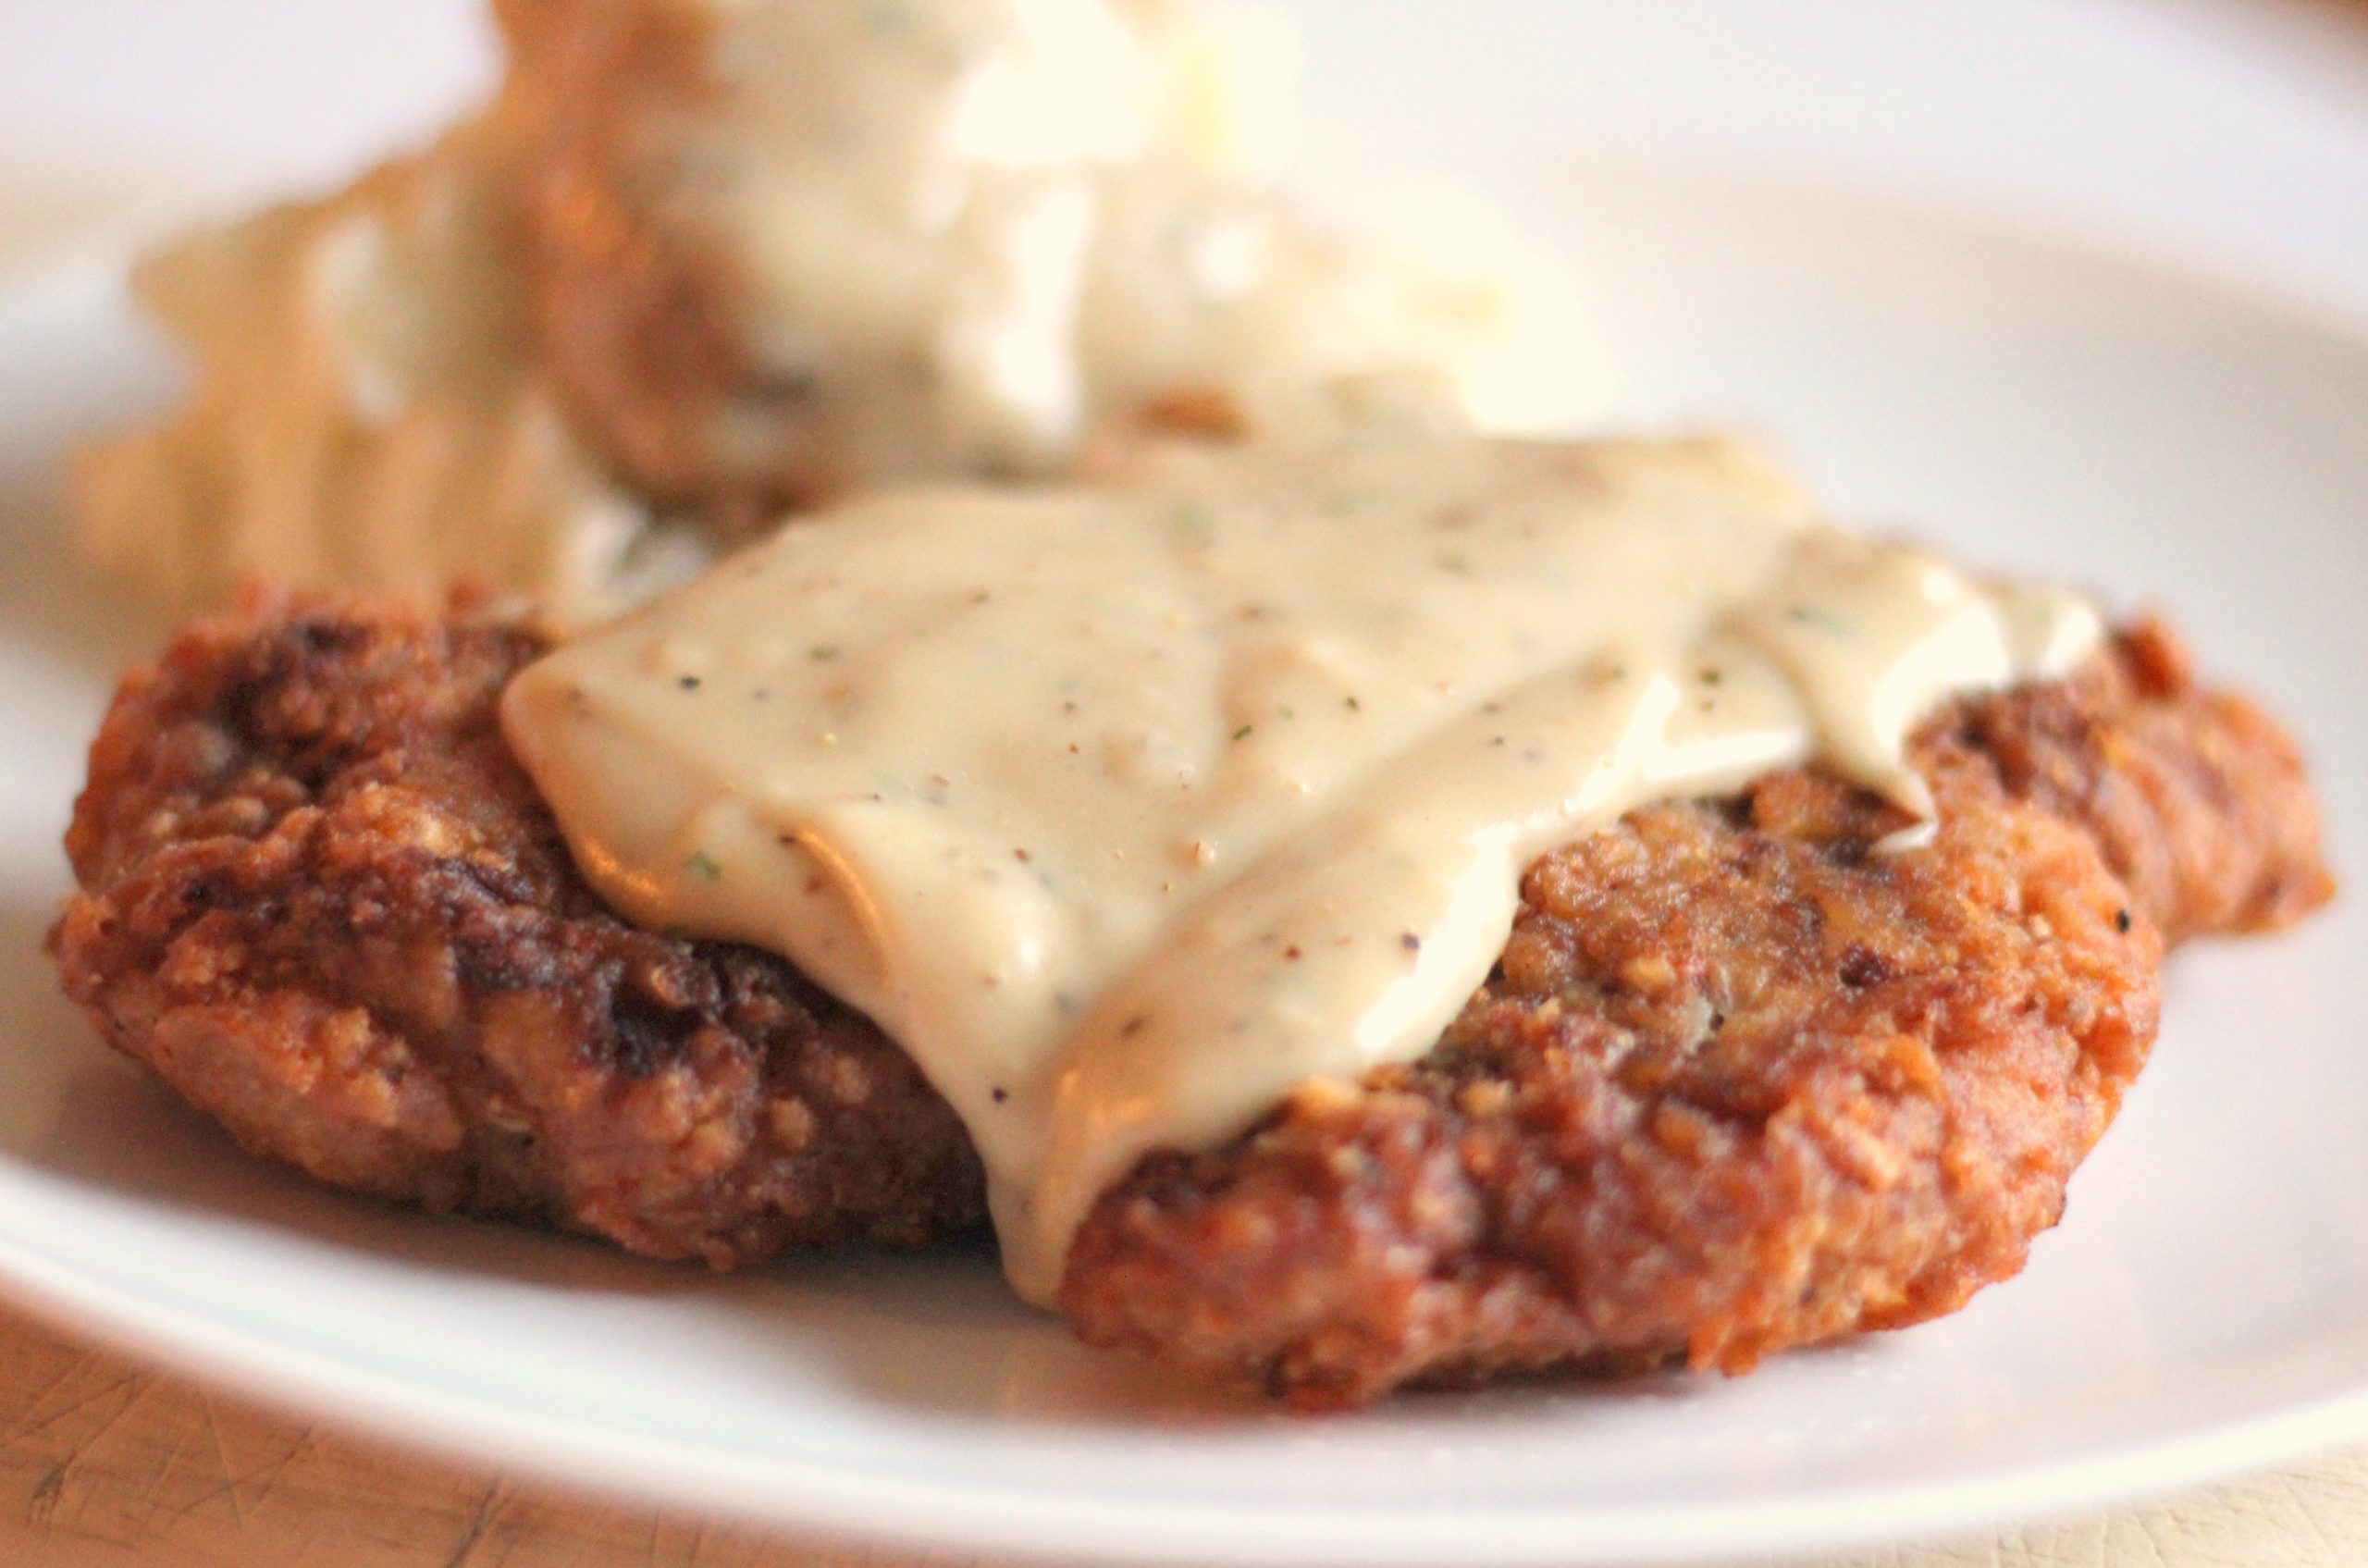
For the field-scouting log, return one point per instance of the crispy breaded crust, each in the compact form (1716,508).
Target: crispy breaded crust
(323,902)
(635,309)
(1739,1083)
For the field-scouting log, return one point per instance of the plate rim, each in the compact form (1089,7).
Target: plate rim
(854,1505)
(857,1505)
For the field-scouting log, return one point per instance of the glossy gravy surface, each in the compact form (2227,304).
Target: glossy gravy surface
(1127,809)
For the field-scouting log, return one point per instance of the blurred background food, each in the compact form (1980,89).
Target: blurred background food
(701,263)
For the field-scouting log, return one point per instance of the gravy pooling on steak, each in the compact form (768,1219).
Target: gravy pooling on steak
(1739,1083)
(1127,809)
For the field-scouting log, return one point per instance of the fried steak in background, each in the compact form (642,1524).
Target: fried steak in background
(699,260)
(1740,1082)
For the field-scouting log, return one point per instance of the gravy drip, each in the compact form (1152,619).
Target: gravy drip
(1127,809)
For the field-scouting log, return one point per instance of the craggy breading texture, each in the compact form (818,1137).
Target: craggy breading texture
(1741,1081)
(639,333)
(325,906)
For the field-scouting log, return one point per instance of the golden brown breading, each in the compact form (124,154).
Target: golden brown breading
(1739,1083)
(635,304)
(322,901)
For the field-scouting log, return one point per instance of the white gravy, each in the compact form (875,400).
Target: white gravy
(1127,809)
(979,230)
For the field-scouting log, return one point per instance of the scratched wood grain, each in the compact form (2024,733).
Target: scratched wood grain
(105,1464)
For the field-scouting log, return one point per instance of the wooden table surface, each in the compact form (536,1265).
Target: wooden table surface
(106,1464)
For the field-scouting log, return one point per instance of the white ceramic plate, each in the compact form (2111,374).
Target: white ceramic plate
(2205,1307)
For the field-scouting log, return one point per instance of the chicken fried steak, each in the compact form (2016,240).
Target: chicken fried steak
(1741,1081)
